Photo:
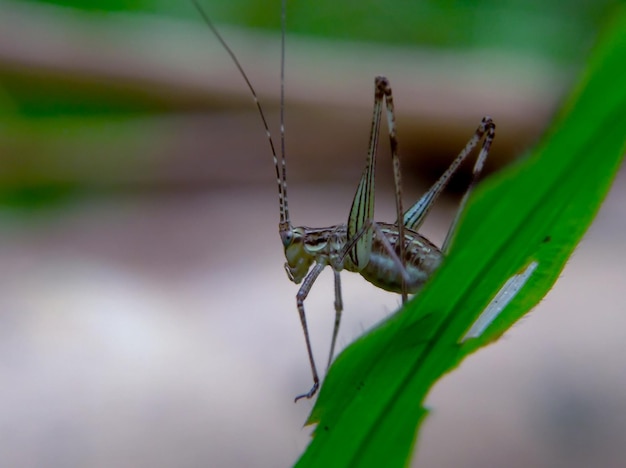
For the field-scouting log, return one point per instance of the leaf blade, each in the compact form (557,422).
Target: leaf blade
(370,405)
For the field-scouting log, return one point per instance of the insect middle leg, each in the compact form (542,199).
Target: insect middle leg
(338,311)
(341,256)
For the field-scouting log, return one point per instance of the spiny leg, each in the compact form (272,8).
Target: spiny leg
(338,311)
(362,210)
(362,207)
(489,128)
(303,292)
(382,84)
(414,217)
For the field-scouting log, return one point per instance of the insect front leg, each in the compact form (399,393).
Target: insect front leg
(303,292)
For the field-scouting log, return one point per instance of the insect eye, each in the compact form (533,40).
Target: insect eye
(287,237)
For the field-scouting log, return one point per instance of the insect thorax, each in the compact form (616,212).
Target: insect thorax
(305,246)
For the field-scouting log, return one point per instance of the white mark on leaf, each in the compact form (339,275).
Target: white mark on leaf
(504,296)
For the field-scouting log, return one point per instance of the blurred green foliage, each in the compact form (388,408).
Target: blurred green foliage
(40,106)
(553,28)
(547,27)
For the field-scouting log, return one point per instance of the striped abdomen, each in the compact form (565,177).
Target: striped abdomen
(422,259)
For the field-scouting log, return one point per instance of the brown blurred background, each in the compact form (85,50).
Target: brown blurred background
(145,317)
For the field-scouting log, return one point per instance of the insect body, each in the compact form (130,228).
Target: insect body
(392,256)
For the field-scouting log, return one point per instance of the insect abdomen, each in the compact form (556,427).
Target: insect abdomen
(422,260)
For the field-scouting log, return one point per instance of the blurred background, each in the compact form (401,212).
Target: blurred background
(145,316)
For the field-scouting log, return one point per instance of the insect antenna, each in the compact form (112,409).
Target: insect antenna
(281,177)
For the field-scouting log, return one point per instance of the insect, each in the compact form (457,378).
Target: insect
(392,256)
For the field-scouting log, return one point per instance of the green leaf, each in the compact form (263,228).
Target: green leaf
(527,219)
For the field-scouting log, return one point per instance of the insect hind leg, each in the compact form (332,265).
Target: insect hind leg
(488,128)
(362,208)
(414,216)
(383,85)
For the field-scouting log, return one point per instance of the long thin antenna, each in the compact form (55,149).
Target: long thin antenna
(283,27)
(280,177)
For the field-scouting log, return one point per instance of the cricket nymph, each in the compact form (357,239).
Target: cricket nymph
(362,245)
(328,246)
